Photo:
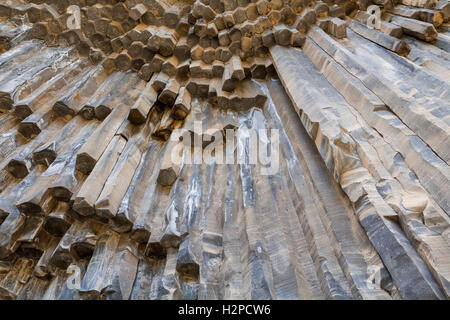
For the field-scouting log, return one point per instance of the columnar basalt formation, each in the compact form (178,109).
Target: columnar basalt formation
(92,97)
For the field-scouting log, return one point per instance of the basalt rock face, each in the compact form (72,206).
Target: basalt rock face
(352,204)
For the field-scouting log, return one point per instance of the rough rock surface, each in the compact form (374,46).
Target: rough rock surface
(92,205)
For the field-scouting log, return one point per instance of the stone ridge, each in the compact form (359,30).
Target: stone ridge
(358,207)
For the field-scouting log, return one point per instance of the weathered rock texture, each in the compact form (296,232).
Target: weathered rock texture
(93,207)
